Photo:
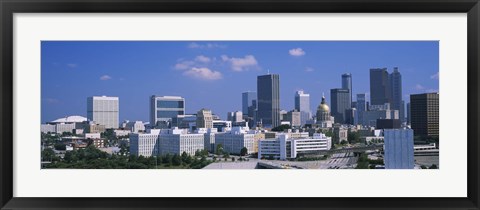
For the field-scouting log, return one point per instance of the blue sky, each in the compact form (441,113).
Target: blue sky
(214,74)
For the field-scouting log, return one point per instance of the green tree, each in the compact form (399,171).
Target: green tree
(281,128)
(243,151)
(434,166)
(219,150)
(353,137)
(60,146)
(176,160)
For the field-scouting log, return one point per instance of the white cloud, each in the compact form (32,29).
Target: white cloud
(241,64)
(194,45)
(309,69)
(203,74)
(183,65)
(203,59)
(105,77)
(296,52)
(435,76)
(419,87)
(72,65)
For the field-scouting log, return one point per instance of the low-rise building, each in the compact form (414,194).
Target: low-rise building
(177,141)
(234,140)
(399,150)
(285,147)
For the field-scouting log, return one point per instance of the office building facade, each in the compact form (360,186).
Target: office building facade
(103,110)
(164,108)
(204,119)
(249,99)
(347,84)
(399,153)
(425,114)
(268,100)
(302,104)
(340,102)
(380,89)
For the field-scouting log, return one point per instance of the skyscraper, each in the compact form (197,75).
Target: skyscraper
(402,112)
(249,99)
(204,119)
(302,104)
(396,91)
(164,108)
(424,114)
(347,83)
(380,89)
(268,94)
(103,110)
(340,103)
(361,107)
(409,118)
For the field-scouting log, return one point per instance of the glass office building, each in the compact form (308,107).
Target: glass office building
(164,108)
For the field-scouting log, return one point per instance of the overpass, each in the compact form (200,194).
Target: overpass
(340,150)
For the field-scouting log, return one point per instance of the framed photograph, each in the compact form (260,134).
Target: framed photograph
(179,105)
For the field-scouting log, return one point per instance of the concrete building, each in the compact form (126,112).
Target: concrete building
(235,117)
(164,108)
(295,118)
(285,147)
(399,153)
(302,104)
(233,141)
(145,144)
(47,128)
(222,125)
(340,102)
(208,138)
(204,119)
(135,127)
(425,114)
(347,84)
(340,134)
(388,124)
(268,90)
(177,141)
(103,110)
(350,114)
(376,112)
(408,114)
(184,121)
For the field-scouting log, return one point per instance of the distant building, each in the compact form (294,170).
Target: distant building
(396,92)
(177,141)
(399,153)
(103,110)
(380,89)
(294,117)
(340,102)
(425,114)
(235,117)
(350,114)
(376,112)
(208,138)
(135,127)
(409,117)
(249,103)
(340,134)
(388,124)
(285,147)
(204,119)
(234,140)
(268,94)
(347,84)
(302,104)
(64,124)
(145,144)
(324,120)
(361,107)
(164,108)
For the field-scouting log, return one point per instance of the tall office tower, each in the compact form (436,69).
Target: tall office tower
(380,89)
(103,110)
(268,100)
(164,108)
(424,114)
(249,99)
(302,104)
(347,84)
(235,117)
(396,91)
(409,117)
(402,112)
(204,119)
(361,107)
(340,103)
(398,148)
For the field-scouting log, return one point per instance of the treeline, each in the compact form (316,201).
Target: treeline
(93,158)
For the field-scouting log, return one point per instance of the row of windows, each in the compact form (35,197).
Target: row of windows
(170,104)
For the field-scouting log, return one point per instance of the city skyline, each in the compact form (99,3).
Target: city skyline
(200,71)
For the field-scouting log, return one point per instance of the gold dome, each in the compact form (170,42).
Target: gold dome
(323,107)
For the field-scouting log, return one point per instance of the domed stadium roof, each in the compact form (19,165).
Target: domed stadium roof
(70,119)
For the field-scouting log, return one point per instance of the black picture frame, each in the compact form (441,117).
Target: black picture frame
(9,7)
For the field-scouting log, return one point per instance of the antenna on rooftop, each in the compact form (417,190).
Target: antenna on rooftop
(268,71)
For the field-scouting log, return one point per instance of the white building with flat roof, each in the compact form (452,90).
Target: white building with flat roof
(177,141)
(234,140)
(284,147)
(103,110)
(399,150)
(145,144)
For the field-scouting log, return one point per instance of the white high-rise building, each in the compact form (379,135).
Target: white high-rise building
(103,110)
(399,151)
(302,104)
